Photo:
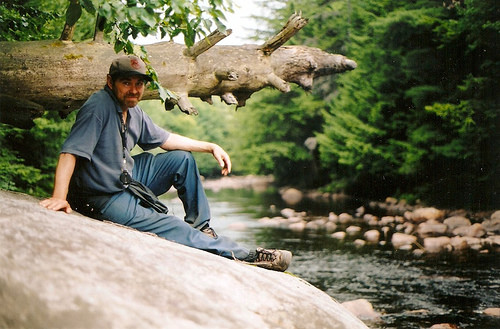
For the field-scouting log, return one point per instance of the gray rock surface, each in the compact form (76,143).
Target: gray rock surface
(69,271)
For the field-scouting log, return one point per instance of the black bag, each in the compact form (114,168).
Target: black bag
(89,206)
(147,197)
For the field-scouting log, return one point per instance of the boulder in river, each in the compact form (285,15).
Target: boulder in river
(292,196)
(492,225)
(372,236)
(424,214)
(456,221)
(361,308)
(437,244)
(399,240)
(431,228)
(492,311)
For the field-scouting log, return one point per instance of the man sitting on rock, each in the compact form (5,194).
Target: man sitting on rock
(97,176)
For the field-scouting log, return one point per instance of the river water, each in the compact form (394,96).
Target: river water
(408,291)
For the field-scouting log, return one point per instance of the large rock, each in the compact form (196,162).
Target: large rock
(292,196)
(69,271)
(362,308)
(400,240)
(475,230)
(492,311)
(425,214)
(493,224)
(431,228)
(455,222)
(437,244)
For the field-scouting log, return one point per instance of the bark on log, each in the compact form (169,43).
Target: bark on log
(61,75)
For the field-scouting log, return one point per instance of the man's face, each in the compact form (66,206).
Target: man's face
(128,90)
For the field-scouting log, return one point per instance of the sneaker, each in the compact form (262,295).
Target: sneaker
(272,259)
(209,231)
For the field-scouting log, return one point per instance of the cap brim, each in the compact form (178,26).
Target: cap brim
(135,73)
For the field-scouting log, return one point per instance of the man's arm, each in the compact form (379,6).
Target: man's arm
(64,171)
(178,142)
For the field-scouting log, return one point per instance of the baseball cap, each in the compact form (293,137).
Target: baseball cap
(128,65)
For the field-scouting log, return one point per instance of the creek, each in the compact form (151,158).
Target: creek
(409,291)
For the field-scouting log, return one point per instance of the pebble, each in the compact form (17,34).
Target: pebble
(400,239)
(456,221)
(492,311)
(339,235)
(437,244)
(372,236)
(359,243)
(345,218)
(362,309)
(353,230)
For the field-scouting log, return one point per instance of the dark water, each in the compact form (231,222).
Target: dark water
(409,291)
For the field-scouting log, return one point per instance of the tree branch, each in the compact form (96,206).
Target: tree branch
(99,28)
(203,45)
(73,13)
(292,26)
(67,33)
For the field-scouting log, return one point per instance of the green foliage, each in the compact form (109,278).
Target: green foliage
(419,116)
(25,21)
(28,157)
(12,168)
(260,139)
(212,124)
(126,20)
(269,136)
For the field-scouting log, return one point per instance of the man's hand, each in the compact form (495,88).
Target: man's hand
(178,142)
(222,158)
(64,170)
(56,204)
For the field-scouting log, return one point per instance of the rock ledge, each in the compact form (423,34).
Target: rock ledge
(69,271)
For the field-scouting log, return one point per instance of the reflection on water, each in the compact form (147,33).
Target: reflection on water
(409,292)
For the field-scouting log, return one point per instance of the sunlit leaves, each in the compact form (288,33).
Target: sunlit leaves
(22,23)
(125,21)
(129,19)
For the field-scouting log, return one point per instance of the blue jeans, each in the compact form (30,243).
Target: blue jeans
(160,172)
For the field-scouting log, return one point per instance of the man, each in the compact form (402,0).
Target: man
(97,175)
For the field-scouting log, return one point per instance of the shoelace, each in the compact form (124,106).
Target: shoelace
(265,256)
(209,231)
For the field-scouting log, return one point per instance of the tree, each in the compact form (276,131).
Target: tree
(34,69)
(269,138)
(29,70)
(419,117)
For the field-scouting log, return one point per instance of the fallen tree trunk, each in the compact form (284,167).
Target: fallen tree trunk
(69,271)
(60,75)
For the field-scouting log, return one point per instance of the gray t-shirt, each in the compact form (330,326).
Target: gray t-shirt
(96,140)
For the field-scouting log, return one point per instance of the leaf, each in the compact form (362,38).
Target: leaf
(119,45)
(141,15)
(129,47)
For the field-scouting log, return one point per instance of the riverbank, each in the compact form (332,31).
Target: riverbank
(416,228)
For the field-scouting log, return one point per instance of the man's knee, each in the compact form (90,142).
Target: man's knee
(177,156)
